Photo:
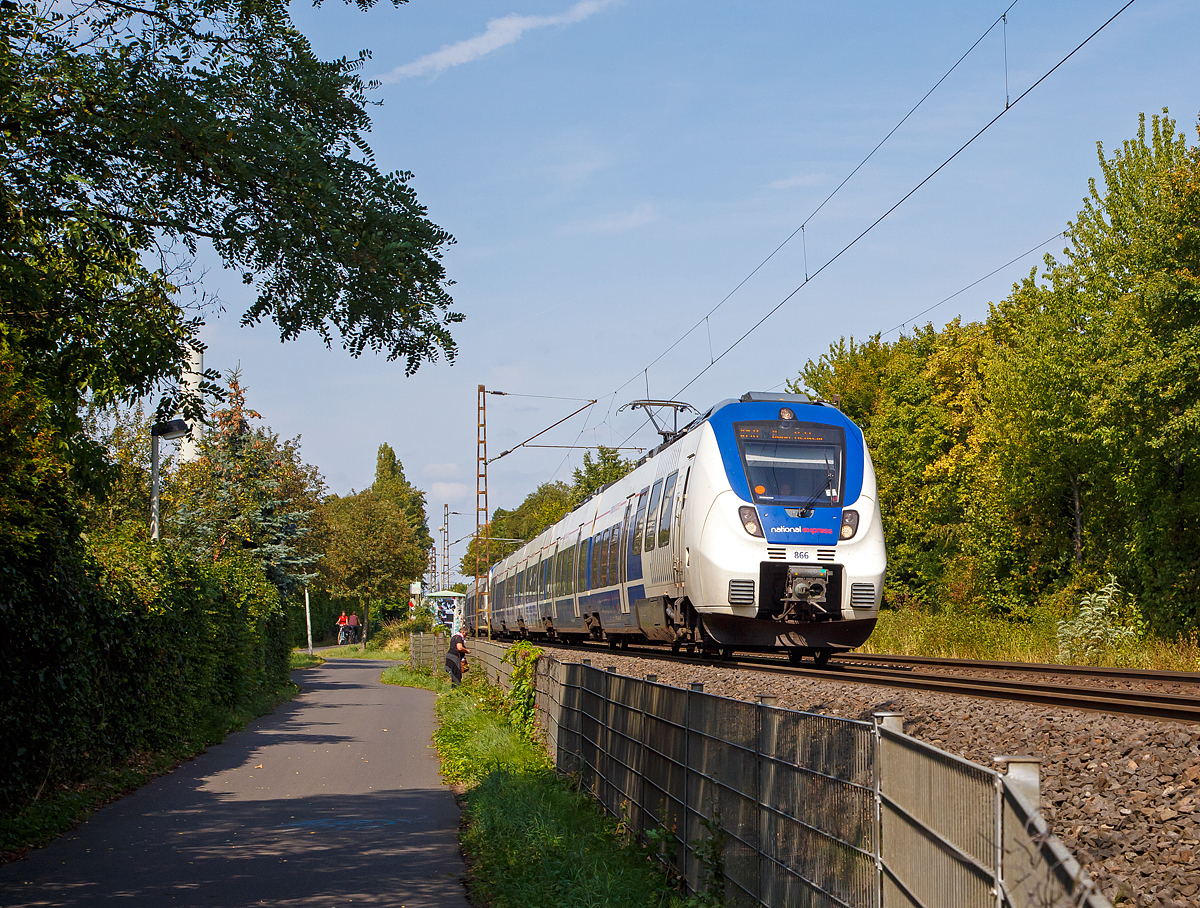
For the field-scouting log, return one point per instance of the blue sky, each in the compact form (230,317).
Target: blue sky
(612,169)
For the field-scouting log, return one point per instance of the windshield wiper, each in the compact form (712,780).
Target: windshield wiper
(807,510)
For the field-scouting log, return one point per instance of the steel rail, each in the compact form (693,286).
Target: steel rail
(1039,668)
(1112,701)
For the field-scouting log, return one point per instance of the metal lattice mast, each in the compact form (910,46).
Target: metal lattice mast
(446,549)
(482,530)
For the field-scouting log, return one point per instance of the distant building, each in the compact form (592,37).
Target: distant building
(189,445)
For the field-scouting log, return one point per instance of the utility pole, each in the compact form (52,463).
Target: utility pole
(431,571)
(446,548)
(482,530)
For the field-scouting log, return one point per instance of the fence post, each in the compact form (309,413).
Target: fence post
(892,722)
(760,819)
(1024,775)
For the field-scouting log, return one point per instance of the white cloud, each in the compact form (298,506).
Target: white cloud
(441,470)
(807,179)
(499,33)
(447,491)
(643,214)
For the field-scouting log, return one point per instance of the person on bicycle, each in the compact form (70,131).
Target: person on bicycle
(352,623)
(342,632)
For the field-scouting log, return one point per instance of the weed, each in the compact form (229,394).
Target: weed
(1106,629)
(532,837)
(404,676)
(301,659)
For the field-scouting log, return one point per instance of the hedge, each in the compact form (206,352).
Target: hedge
(118,644)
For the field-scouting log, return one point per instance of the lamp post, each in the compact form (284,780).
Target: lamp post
(170,430)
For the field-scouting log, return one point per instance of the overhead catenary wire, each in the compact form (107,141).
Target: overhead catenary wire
(959,292)
(994,271)
(540,396)
(541,433)
(842,251)
(801,229)
(905,197)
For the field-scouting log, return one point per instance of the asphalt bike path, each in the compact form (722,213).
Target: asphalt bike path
(333,800)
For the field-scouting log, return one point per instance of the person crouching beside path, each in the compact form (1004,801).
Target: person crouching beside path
(455,657)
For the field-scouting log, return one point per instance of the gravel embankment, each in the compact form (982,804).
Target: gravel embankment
(1123,794)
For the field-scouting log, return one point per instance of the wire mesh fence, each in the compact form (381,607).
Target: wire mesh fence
(808,810)
(427,651)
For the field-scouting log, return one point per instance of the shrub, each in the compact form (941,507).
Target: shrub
(124,644)
(1106,628)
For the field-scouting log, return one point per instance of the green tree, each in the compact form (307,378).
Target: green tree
(545,505)
(133,133)
(609,466)
(247,494)
(1135,251)
(390,483)
(372,552)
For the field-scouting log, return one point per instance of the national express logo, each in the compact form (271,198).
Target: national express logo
(824,530)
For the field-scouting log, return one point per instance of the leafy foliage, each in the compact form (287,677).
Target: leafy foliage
(546,505)
(127,646)
(608,467)
(371,550)
(1104,629)
(133,133)
(1059,440)
(248,493)
(522,692)
(391,484)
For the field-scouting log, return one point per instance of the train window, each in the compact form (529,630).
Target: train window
(639,523)
(594,578)
(581,560)
(568,570)
(793,463)
(614,556)
(547,591)
(560,559)
(664,520)
(604,581)
(651,514)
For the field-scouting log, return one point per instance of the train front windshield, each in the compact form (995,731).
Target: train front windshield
(793,464)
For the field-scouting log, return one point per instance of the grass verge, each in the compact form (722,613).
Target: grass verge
(531,839)
(58,810)
(355,651)
(406,677)
(301,659)
(954,635)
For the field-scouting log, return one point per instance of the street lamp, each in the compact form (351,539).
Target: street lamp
(170,430)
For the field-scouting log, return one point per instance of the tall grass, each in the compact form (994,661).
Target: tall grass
(972,635)
(533,840)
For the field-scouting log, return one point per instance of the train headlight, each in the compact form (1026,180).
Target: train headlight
(750,520)
(849,525)
(787,413)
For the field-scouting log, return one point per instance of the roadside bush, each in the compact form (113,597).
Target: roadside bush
(121,644)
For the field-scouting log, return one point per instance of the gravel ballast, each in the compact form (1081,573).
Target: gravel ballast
(1123,794)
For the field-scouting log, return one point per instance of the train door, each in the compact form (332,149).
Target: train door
(666,517)
(678,551)
(623,559)
(576,570)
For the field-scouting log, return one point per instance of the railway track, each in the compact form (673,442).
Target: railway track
(902,672)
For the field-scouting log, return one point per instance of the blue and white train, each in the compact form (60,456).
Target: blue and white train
(757,528)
